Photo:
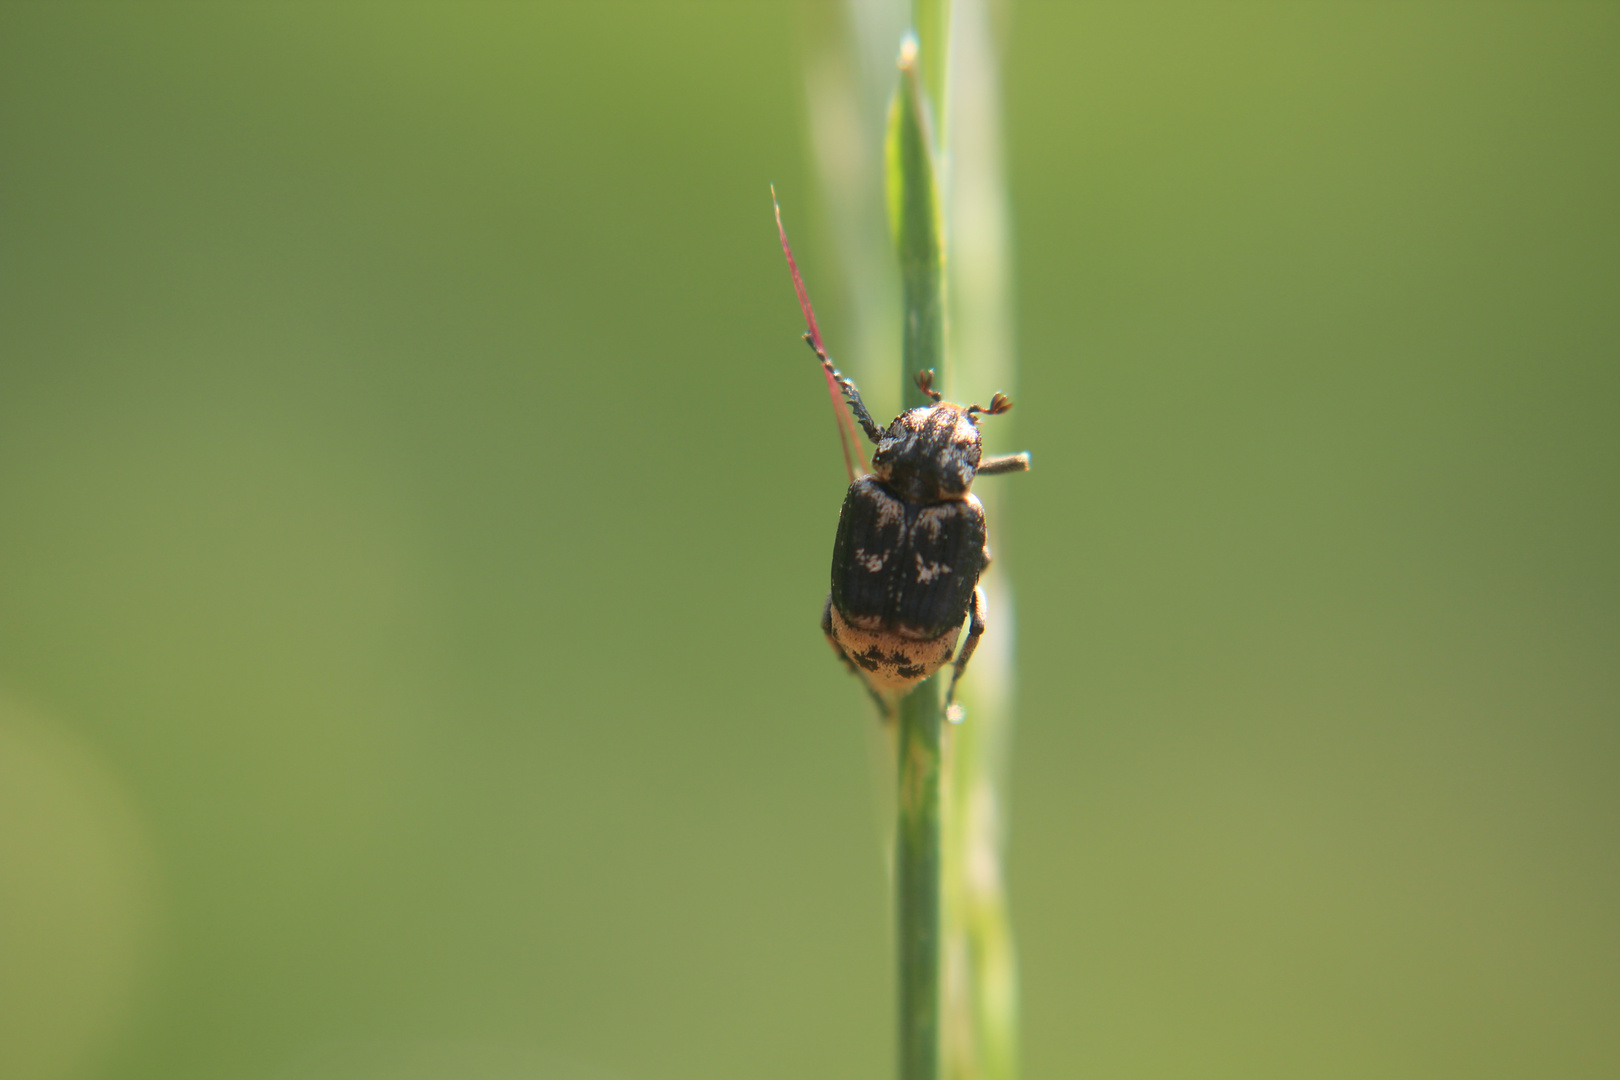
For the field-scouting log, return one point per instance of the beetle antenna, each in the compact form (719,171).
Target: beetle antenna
(842,391)
(925,383)
(998,405)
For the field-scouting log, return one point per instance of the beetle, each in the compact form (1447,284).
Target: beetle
(911,546)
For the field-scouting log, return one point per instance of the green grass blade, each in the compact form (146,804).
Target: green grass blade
(914,214)
(915,218)
(917,881)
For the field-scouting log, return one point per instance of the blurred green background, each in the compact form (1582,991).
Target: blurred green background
(415,508)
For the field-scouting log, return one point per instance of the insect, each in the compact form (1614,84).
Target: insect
(911,543)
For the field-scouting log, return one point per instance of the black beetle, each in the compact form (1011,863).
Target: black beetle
(911,539)
(911,544)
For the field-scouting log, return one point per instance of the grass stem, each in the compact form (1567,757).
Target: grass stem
(915,215)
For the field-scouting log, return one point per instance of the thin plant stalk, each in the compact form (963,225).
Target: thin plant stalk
(915,215)
(958,980)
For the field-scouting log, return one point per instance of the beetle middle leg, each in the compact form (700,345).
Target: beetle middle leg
(953,712)
(1006,463)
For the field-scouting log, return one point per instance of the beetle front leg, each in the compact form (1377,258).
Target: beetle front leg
(953,711)
(851,395)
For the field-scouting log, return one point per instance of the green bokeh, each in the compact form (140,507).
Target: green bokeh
(415,508)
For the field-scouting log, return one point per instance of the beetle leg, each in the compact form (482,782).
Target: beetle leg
(851,395)
(826,628)
(1005,463)
(953,712)
(885,706)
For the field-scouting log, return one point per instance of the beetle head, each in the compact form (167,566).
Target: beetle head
(930,454)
